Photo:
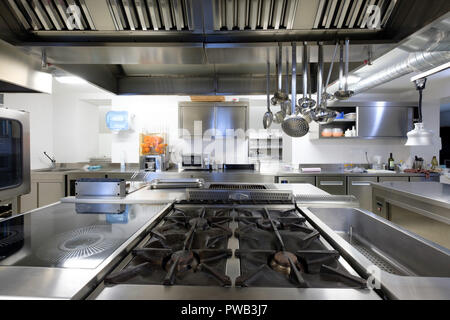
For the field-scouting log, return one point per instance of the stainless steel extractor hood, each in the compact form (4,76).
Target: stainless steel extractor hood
(205,47)
(20,72)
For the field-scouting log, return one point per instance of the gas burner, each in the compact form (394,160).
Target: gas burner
(199,223)
(244,212)
(280,262)
(220,213)
(182,260)
(266,224)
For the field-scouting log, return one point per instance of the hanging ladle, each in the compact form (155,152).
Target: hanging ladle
(344,94)
(268,116)
(305,102)
(328,96)
(286,105)
(279,96)
(321,114)
(295,125)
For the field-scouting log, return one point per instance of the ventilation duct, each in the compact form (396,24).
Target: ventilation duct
(416,62)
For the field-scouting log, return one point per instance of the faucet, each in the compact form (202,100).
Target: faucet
(51,159)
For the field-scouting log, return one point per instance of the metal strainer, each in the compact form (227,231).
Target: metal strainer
(295,125)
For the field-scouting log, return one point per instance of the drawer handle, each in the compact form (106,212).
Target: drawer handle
(361,183)
(331,183)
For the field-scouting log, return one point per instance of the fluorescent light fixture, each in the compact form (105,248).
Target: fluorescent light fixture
(428,73)
(70,80)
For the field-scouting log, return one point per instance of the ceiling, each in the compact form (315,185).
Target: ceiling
(204,46)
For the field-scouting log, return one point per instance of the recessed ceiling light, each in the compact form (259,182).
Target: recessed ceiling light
(70,80)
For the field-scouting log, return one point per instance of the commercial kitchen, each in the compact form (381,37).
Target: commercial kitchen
(225,150)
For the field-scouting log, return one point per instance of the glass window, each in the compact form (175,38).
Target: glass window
(10,153)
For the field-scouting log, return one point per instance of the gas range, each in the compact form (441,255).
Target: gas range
(232,251)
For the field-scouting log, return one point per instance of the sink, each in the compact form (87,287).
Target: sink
(386,245)
(404,265)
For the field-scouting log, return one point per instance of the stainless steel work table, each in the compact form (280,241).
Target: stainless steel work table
(43,261)
(431,199)
(146,195)
(422,207)
(434,193)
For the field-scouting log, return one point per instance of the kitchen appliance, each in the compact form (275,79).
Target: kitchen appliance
(86,188)
(154,163)
(194,162)
(233,250)
(418,163)
(14,153)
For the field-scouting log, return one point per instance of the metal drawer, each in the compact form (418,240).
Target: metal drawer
(361,188)
(332,184)
(308,179)
(387,179)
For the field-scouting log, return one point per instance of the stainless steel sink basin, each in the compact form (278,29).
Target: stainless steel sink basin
(409,267)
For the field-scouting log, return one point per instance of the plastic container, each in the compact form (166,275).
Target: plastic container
(337,132)
(327,132)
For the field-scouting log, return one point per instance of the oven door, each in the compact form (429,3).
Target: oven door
(14,153)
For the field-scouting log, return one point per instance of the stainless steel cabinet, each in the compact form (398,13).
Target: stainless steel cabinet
(192,113)
(332,184)
(431,229)
(50,192)
(361,188)
(230,118)
(221,116)
(383,121)
(434,178)
(387,179)
(307,179)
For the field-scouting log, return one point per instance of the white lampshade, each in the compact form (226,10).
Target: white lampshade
(419,136)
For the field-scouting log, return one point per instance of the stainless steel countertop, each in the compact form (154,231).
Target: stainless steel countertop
(173,173)
(150,196)
(32,282)
(434,193)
